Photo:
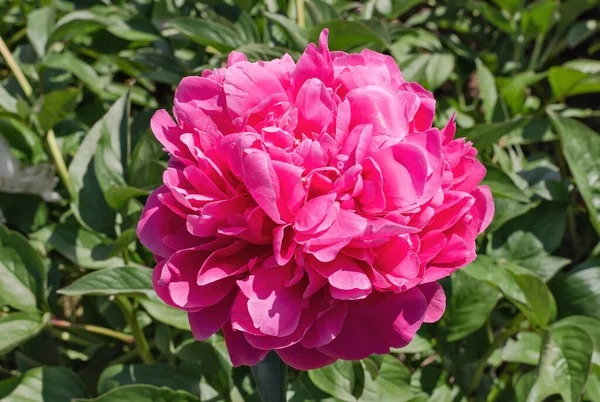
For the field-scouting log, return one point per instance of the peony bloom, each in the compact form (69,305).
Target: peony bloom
(309,208)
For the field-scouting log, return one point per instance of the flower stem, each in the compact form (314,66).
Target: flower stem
(300,13)
(12,64)
(511,329)
(61,167)
(537,51)
(141,343)
(59,162)
(271,378)
(93,329)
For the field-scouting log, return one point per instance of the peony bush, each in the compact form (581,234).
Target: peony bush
(310,207)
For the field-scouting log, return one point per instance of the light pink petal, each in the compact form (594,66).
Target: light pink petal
(387,110)
(483,209)
(274,308)
(246,86)
(313,212)
(315,107)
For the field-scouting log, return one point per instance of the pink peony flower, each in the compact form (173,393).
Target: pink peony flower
(309,208)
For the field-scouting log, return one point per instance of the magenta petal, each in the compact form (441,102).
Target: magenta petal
(378,323)
(436,301)
(302,358)
(156,222)
(273,307)
(240,351)
(206,322)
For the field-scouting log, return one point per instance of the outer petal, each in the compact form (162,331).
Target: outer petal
(378,323)
(302,358)
(436,301)
(240,351)
(206,322)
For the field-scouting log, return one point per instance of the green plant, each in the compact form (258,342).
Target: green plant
(78,84)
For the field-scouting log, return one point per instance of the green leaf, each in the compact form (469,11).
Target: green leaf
(507,210)
(68,61)
(567,81)
(525,349)
(484,135)
(7,102)
(581,148)
(519,285)
(487,89)
(387,379)
(503,186)
(514,90)
(578,292)
(142,393)
(538,18)
(470,302)
(23,139)
(43,384)
(118,196)
(492,15)
(216,367)
(160,375)
(590,325)
(90,205)
(547,221)
(348,35)
(337,379)
(112,281)
(438,70)
(271,378)
(526,250)
(80,22)
(395,8)
(208,33)
(564,365)
(56,106)
(16,328)
(39,26)
(80,245)
(293,31)
(164,313)
(22,271)
(569,10)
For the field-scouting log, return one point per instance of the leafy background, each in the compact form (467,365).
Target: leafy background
(78,317)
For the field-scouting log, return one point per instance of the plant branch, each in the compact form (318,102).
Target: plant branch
(141,343)
(59,162)
(300,13)
(537,51)
(93,329)
(511,329)
(14,67)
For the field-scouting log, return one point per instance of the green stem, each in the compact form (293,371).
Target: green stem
(93,329)
(59,162)
(511,329)
(14,67)
(300,13)
(141,343)
(61,167)
(271,378)
(537,51)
